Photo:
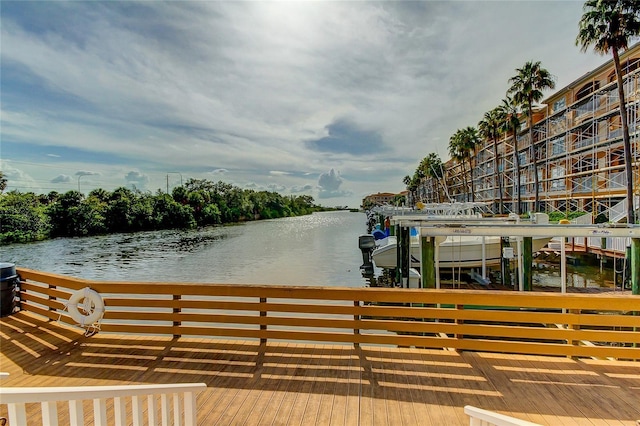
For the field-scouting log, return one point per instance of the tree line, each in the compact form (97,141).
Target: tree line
(28,217)
(607,26)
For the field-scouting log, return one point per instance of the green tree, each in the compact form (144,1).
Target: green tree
(510,112)
(526,88)
(100,194)
(119,216)
(608,25)
(490,129)
(73,216)
(22,218)
(168,213)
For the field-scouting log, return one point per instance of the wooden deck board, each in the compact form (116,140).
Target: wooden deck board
(283,383)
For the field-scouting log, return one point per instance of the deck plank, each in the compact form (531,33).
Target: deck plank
(283,383)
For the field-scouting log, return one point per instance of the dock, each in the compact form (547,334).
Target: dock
(286,383)
(296,355)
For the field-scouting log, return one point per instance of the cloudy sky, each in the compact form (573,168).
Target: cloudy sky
(332,99)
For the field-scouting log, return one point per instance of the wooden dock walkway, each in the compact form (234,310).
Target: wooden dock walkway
(281,383)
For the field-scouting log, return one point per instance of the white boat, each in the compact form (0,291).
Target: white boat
(455,251)
(459,251)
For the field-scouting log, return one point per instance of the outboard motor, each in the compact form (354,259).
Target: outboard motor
(367,244)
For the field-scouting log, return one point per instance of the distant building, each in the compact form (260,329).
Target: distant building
(380,198)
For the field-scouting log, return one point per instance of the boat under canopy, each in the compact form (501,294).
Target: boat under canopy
(454,251)
(457,251)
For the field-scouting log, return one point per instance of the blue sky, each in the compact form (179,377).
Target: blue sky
(332,99)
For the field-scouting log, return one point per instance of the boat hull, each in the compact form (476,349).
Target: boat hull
(455,252)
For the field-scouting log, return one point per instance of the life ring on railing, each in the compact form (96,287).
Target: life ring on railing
(90,302)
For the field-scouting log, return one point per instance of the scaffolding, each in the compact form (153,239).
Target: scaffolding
(579,149)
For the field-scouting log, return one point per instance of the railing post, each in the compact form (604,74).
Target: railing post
(459,322)
(51,298)
(356,331)
(635,266)
(263,313)
(574,326)
(527,260)
(176,310)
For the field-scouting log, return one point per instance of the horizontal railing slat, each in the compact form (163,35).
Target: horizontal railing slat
(501,321)
(390,295)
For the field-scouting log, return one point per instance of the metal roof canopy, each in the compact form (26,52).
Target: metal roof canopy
(493,227)
(517,230)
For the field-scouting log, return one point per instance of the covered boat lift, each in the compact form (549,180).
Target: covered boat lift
(431,233)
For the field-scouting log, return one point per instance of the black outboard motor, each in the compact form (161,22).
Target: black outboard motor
(8,288)
(367,244)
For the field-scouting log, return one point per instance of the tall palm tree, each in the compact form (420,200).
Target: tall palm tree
(412,186)
(407,181)
(490,129)
(526,88)
(432,168)
(458,152)
(511,123)
(462,146)
(608,25)
(470,141)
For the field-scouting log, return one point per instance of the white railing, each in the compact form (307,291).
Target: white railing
(480,417)
(183,410)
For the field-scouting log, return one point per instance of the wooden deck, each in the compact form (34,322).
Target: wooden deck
(280,383)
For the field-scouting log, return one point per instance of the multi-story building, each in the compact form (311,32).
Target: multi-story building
(578,140)
(380,198)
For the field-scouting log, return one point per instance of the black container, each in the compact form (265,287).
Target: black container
(8,284)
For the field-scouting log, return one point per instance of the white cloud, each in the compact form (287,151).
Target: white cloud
(138,179)
(18,178)
(61,179)
(239,88)
(329,184)
(307,189)
(86,173)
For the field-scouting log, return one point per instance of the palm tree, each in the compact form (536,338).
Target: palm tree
(431,167)
(526,88)
(412,185)
(511,123)
(490,129)
(434,169)
(470,141)
(458,152)
(608,25)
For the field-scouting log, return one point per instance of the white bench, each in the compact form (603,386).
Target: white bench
(480,417)
(183,396)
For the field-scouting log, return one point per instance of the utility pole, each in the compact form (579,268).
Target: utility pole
(168,173)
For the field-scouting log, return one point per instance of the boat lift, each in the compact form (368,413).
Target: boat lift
(431,233)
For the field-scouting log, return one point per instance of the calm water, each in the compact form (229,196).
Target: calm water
(319,250)
(315,250)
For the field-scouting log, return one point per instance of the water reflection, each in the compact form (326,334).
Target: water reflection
(319,249)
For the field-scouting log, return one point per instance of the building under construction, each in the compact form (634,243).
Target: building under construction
(577,134)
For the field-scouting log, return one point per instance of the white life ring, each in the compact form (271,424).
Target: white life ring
(90,302)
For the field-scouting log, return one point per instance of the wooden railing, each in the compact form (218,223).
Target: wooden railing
(573,325)
(177,404)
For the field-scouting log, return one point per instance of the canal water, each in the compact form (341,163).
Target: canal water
(314,250)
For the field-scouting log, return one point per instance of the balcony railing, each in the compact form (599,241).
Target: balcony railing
(177,403)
